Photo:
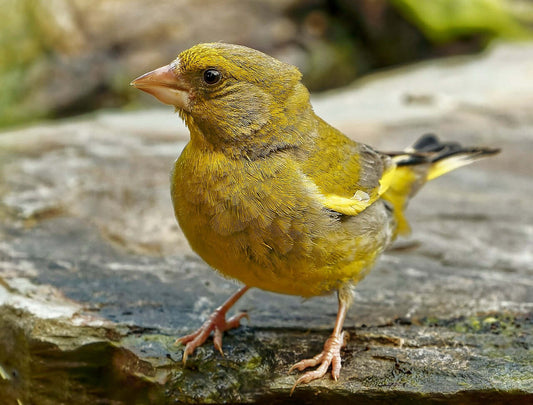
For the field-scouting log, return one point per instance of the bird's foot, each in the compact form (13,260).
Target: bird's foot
(331,355)
(217,323)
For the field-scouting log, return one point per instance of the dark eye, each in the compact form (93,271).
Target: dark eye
(212,76)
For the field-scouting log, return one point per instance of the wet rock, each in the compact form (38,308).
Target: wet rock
(96,280)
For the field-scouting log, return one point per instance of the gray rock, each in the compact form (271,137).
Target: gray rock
(96,279)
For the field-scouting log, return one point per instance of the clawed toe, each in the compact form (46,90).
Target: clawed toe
(303,364)
(216,324)
(331,355)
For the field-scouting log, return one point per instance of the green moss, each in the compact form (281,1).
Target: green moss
(253,363)
(445,20)
(21,47)
(502,323)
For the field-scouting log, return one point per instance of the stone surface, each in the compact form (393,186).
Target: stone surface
(96,280)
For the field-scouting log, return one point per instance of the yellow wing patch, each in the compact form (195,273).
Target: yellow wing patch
(398,194)
(361,200)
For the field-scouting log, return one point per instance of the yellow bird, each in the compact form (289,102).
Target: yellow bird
(268,193)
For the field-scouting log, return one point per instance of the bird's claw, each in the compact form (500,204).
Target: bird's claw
(331,355)
(216,323)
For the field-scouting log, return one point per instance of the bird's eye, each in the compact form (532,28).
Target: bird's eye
(212,76)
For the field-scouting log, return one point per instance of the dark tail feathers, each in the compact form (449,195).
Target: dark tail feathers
(443,156)
(427,159)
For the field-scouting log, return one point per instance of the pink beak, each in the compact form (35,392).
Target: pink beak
(165,85)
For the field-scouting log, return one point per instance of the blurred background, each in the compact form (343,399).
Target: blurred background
(61,58)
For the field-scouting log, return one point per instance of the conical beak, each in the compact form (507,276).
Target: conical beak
(165,85)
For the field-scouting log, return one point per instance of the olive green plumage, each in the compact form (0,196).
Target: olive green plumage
(264,189)
(268,193)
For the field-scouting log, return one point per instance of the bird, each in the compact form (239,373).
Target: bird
(271,195)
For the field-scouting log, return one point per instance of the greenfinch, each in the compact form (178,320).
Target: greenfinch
(268,193)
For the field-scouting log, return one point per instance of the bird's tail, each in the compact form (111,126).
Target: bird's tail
(427,159)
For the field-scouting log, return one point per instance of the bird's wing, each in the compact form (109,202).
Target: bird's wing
(350,176)
(360,200)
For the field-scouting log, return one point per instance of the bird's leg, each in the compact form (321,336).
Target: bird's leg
(331,355)
(217,323)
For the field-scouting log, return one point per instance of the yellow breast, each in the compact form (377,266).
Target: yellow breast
(262,223)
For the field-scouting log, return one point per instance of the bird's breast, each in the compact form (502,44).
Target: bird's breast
(262,223)
(256,207)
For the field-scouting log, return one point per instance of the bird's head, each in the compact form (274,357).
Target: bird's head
(227,92)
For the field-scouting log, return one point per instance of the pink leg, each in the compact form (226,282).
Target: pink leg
(217,323)
(331,355)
